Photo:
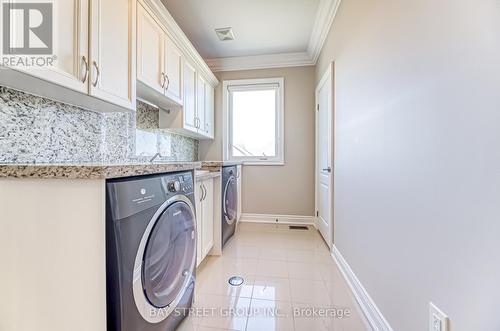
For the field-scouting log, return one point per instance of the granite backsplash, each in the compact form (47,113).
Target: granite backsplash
(39,130)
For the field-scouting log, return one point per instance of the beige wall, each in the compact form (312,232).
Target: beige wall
(288,189)
(417,181)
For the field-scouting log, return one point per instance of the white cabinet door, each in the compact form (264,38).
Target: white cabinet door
(200,104)
(70,47)
(189,109)
(208,217)
(150,57)
(198,194)
(112,53)
(209,111)
(173,71)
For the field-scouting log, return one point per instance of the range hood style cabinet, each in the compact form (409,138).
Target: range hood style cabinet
(110,52)
(170,79)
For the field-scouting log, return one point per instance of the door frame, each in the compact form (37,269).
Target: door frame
(328,75)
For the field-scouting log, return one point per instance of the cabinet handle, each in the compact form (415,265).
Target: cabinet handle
(98,74)
(204,192)
(163,80)
(84,60)
(168,82)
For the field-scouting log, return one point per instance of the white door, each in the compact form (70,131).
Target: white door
(150,58)
(200,104)
(208,217)
(189,108)
(324,156)
(112,54)
(173,71)
(70,47)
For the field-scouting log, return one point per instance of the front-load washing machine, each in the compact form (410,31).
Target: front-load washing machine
(229,202)
(150,251)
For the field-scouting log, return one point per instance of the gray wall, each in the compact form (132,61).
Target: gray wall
(417,180)
(288,189)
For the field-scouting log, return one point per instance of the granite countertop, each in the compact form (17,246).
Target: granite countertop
(215,164)
(91,170)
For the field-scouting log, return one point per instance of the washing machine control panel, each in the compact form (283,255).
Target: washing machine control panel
(180,183)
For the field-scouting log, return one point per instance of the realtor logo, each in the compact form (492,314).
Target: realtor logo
(27,28)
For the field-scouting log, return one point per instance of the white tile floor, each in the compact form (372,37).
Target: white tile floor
(287,273)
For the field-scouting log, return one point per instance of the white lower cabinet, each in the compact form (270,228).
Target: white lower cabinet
(204,195)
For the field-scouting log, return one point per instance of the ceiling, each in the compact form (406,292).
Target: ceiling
(261,27)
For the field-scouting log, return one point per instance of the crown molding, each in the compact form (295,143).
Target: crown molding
(260,62)
(325,15)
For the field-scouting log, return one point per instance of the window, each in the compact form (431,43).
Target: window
(253,121)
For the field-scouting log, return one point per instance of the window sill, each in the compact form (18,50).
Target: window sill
(263,163)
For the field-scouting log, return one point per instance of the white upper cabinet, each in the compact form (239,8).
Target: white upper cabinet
(159,62)
(190,120)
(200,104)
(150,59)
(205,108)
(94,49)
(173,70)
(209,111)
(112,54)
(70,47)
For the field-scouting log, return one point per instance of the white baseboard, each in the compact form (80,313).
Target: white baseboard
(366,303)
(277,219)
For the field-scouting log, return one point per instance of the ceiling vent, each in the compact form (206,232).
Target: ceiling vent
(225,34)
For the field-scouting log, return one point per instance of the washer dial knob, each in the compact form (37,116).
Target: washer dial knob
(174,186)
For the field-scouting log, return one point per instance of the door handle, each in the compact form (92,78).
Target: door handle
(329,169)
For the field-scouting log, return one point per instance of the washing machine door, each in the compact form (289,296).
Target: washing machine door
(165,260)
(231,200)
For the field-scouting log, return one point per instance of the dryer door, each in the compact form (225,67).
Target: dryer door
(165,260)
(231,200)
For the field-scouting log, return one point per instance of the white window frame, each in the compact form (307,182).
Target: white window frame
(254,84)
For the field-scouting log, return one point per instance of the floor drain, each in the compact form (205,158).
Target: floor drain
(235,281)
